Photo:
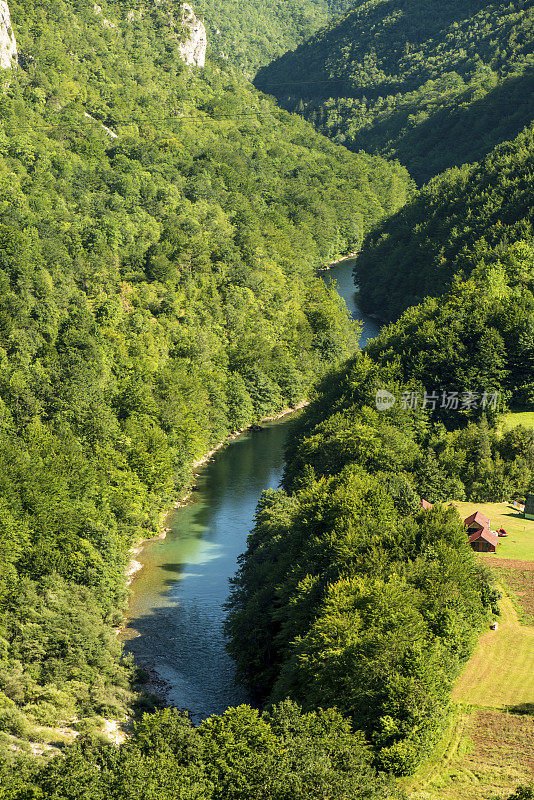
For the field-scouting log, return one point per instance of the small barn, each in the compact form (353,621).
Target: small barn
(484,541)
(529,506)
(476,522)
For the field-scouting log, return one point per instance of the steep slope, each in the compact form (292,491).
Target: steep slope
(8,45)
(349,594)
(160,229)
(434,84)
(458,220)
(249,35)
(194,45)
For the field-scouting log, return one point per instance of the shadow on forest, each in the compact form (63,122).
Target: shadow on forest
(451,137)
(471,133)
(522,708)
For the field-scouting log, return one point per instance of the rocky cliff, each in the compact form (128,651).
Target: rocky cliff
(195,42)
(8,45)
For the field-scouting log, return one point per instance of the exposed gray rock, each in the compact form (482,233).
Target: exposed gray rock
(105,22)
(134,16)
(8,45)
(195,42)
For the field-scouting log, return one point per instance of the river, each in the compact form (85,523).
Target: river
(176,611)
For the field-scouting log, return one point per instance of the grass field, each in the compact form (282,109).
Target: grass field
(484,755)
(488,748)
(525,418)
(500,673)
(518,578)
(520,542)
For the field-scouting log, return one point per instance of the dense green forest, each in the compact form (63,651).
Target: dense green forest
(349,594)
(478,337)
(434,84)
(240,755)
(160,234)
(251,34)
(466,216)
(158,291)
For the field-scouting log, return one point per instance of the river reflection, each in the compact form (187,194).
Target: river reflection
(176,610)
(342,274)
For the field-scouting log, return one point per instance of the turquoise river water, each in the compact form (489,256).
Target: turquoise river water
(176,611)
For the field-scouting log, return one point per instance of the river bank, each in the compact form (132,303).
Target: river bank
(174,628)
(134,566)
(175,619)
(341,271)
(272,418)
(339,262)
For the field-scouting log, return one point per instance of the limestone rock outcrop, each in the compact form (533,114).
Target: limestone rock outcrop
(105,22)
(194,44)
(8,45)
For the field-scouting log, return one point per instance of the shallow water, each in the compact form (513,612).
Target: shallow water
(176,611)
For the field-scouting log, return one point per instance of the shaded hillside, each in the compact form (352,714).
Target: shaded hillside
(464,215)
(434,85)
(349,594)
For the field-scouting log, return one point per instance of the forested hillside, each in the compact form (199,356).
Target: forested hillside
(464,217)
(251,34)
(434,84)
(161,228)
(478,337)
(349,594)
(157,292)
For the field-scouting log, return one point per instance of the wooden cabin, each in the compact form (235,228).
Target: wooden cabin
(484,541)
(480,537)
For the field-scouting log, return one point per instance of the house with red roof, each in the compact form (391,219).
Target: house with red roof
(484,541)
(476,522)
(480,537)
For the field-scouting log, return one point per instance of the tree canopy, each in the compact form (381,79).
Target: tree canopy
(464,219)
(434,84)
(250,35)
(239,755)
(160,232)
(349,594)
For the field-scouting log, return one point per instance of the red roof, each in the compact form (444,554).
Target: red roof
(478,517)
(426,505)
(487,535)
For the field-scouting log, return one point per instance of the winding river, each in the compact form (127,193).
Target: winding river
(176,612)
